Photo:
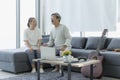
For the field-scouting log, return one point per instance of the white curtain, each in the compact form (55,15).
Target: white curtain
(82,15)
(118,10)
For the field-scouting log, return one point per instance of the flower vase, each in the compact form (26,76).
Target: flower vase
(67,58)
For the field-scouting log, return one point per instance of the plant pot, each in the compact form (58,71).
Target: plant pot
(67,58)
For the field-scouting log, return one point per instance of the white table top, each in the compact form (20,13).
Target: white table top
(74,64)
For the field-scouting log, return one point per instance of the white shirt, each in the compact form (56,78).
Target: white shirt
(32,36)
(60,36)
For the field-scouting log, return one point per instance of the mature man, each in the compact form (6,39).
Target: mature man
(59,35)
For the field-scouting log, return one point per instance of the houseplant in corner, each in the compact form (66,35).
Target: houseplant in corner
(67,55)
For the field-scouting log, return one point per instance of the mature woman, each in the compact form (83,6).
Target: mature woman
(32,39)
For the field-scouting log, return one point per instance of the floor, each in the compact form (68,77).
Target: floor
(7,75)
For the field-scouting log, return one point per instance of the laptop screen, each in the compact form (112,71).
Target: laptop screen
(48,52)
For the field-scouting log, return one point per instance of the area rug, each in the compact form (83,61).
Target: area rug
(51,76)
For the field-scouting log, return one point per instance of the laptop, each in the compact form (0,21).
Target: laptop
(49,53)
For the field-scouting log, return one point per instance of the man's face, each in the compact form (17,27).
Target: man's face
(54,20)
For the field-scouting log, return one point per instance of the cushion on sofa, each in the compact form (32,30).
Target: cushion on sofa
(14,60)
(45,38)
(78,42)
(114,44)
(111,58)
(81,52)
(93,42)
(13,55)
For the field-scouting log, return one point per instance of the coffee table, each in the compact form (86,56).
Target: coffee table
(68,64)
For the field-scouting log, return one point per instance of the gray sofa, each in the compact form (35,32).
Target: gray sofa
(14,60)
(82,46)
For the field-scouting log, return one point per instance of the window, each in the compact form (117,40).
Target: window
(27,10)
(7,24)
(82,15)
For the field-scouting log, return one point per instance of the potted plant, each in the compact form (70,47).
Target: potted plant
(67,55)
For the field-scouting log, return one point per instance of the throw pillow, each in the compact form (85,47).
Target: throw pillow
(114,44)
(93,42)
(117,50)
(78,42)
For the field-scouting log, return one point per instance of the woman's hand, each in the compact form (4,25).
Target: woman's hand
(31,50)
(38,49)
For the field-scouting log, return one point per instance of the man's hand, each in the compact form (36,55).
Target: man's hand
(63,47)
(45,44)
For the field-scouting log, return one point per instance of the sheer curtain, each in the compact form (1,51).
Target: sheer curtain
(7,24)
(82,15)
(119,10)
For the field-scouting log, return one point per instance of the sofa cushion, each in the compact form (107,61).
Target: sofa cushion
(93,42)
(78,42)
(114,44)
(13,55)
(111,58)
(81,52)
(45,38)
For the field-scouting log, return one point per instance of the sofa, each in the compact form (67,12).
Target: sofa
(16,61)
(83,46)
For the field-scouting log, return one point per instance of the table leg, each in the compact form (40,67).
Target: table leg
(69,71)
(62,71)
(91,72)
(38,70)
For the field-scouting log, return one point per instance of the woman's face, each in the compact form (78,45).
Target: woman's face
(54,20)
(33,23)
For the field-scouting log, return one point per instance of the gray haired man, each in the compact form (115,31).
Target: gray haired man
(59,36)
